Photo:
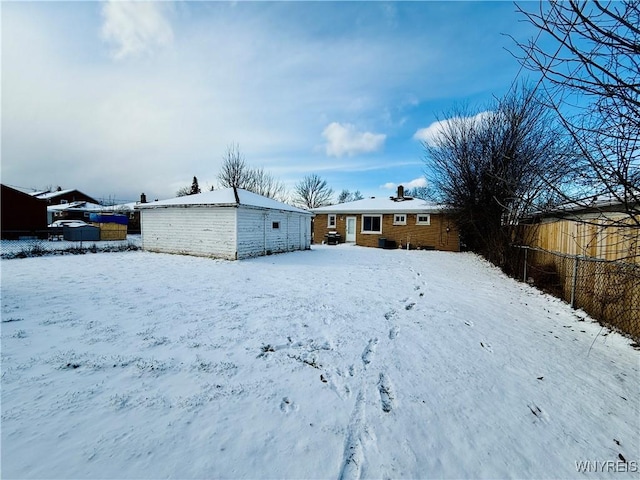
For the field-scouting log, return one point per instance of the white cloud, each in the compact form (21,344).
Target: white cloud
(212,75)
(415,183)
(432,134)
(346,140)
(135,28)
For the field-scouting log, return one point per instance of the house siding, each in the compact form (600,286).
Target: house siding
(22,214)
(200,231)
(441,234)
(256,235)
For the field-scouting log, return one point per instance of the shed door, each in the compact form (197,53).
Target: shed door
(351,229)
(303,233)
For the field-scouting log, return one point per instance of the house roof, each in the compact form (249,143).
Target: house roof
(121,207)
(607,202)
(22,194)
(227,197)
(77,206)
(60,193)
(383,205)
(48,195)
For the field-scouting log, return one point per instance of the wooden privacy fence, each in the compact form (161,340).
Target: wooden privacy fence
(607,237)
(607,290)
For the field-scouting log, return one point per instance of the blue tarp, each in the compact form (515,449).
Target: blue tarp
(110,218)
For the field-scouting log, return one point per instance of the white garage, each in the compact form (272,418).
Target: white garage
(231,223)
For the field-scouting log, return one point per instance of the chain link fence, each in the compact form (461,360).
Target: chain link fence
(35,247)
(607,290)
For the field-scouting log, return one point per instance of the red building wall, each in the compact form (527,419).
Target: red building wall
(22,214)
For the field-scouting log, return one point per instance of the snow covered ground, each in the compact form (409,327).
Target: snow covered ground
(8,248)
(339,362)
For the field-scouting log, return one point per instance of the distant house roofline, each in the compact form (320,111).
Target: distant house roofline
(50,196)
(400,203)
(608,203)
(227,197)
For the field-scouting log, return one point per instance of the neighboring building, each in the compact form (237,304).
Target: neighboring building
(602,227)
(64,196)
(80,210)
(129,209)
(388,222)
(231,223)
(22,215)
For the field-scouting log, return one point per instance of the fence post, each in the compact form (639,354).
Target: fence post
(574,281)
(526,250)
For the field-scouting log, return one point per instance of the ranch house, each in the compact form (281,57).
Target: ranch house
(390,222)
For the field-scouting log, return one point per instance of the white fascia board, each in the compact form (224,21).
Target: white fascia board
(149,206)
(285,211)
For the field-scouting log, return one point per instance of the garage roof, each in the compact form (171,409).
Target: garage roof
(227,197)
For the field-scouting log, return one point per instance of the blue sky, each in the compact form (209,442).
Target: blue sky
(121,98)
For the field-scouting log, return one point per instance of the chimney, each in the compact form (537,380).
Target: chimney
(143,198)
(400,192)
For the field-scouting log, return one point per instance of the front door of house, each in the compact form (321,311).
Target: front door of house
(351,229)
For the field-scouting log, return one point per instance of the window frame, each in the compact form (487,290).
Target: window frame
(362,222)
(400,222)
(335,220)
(275,225)
(419,222)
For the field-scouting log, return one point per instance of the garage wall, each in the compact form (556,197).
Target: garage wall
(201,231)
(257,235)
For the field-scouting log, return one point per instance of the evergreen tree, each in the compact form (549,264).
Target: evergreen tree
(194,187)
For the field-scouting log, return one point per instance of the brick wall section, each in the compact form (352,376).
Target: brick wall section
(419,236)
(320,228)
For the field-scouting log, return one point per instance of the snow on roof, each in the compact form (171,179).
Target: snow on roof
(383,205)
(34,194)
(603,202)
(600,201)
(80,205)
(121,207)
(224,198)
(47,195)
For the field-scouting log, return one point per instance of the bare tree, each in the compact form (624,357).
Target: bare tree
(313,192)
(234,171)
(588,56)
(265,184)
(347,196)
(491,169)
(183,191)
(423,193)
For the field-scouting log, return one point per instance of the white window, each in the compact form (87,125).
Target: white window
(423,219)
(371,223)
(332,221)
(399,219)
